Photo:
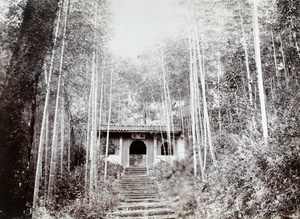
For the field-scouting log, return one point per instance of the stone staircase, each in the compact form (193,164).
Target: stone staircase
(141,197)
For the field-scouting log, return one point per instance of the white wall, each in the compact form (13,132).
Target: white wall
(180,148)
(114,158)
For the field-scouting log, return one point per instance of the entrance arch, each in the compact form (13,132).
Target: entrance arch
(138,154)
(138,147)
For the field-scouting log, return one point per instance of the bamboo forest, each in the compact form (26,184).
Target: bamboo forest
(150,109)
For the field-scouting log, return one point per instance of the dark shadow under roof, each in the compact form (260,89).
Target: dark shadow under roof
(139,129)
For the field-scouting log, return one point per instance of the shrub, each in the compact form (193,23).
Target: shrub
(249,180)
(72,201)
(175,185)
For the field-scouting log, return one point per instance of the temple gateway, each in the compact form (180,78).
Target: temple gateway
(143,145)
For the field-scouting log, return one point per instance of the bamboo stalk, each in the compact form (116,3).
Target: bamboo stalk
(108,124)
(283,61)
(259,75)
(167,105)
(69,138)
(247,63)
(87,142)
(54,138)
(95,177)
(62,134)
(275,60)
(192,104)
(94,126)
(53,161)
(219,96)
(206,117)
(39,161)
(100,113)
(46,153)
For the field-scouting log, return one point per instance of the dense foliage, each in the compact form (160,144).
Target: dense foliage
(72,200)
(249,178)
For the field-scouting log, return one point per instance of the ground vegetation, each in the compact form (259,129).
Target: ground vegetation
(229,78)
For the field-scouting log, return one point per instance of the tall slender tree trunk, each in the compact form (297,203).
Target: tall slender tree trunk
(219,97)
(197,104)
(295,38)
(259,75)
(100,115)
(283,62)
(108,125)
(275,61)
(247,64)
(93,150)
(92,130)
(205,111)
(45,124)
(62,134)
(167,103)
(69,138)
(87,157)
(53,163)
(46,155)
(192,108)
(94,172)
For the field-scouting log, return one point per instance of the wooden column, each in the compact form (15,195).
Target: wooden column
(155,147)
(121,148)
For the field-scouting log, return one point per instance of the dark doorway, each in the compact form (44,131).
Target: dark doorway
(137,154)
(138,147)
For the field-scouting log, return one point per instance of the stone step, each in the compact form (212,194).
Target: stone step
(137,185)
(139,192)
(139,206)
(141,197)
(136,168)
(135,177)
(135,171)
(132,189)
(173,216)
(140,184)
(141,200)
(136,181)
(149,212)
(129,175)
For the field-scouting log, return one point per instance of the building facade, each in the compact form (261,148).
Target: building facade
(143,145)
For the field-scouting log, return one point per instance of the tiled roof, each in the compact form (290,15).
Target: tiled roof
(138,128)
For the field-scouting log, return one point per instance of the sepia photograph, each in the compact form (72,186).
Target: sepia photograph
(159,109)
